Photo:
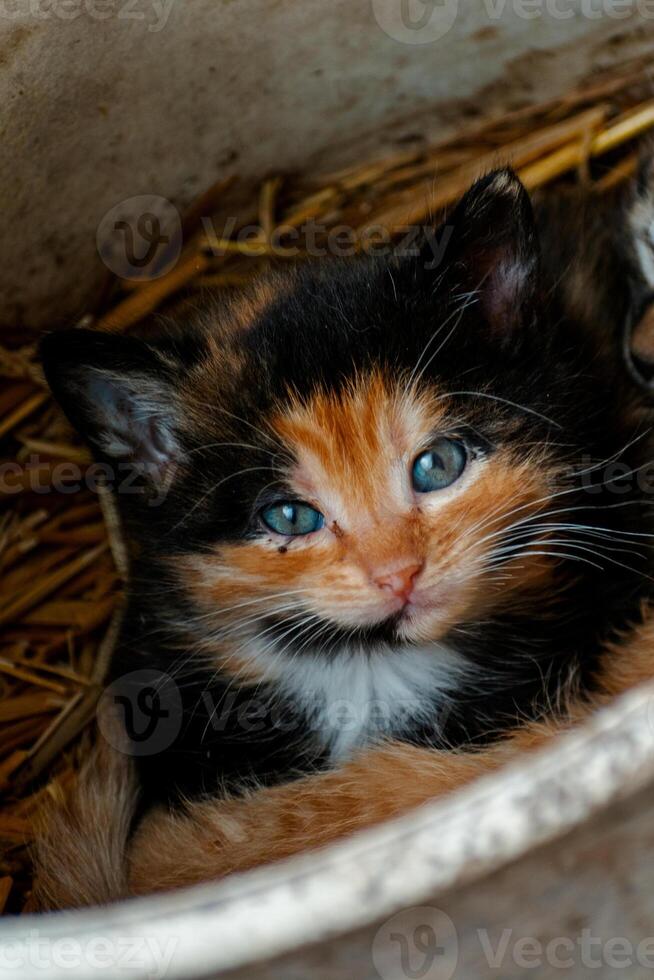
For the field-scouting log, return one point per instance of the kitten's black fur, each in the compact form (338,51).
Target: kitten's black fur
(543,332)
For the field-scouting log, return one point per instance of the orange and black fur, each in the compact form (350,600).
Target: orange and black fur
(388,523)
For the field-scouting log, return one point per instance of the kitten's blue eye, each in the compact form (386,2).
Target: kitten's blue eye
(292,517)
(439,466)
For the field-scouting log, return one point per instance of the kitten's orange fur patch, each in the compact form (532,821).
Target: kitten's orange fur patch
(225,358)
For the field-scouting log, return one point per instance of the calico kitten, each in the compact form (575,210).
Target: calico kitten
(377,499)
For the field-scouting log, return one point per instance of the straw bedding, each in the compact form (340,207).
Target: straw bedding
(61,556)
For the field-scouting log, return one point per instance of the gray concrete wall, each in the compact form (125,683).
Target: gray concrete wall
(105,99)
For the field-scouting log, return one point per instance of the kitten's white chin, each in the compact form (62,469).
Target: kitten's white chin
(355,696)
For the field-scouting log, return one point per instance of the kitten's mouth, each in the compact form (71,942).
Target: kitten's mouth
(435,600)
(394,629)
(329,637)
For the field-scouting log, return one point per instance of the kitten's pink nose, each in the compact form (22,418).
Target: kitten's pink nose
(399,581)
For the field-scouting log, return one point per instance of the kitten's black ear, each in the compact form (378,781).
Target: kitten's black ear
(119,393)
(493,250)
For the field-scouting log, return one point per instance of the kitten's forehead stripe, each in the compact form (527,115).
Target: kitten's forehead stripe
(353,441)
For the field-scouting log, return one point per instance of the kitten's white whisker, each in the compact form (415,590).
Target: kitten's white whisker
(459,313)
(505,401)
(281,453)
(272,597)
(222,633)
(235,679)
(230,476)
(255,428)
(432,337)
(564,510)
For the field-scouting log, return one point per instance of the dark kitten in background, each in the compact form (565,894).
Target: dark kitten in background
(387,505)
